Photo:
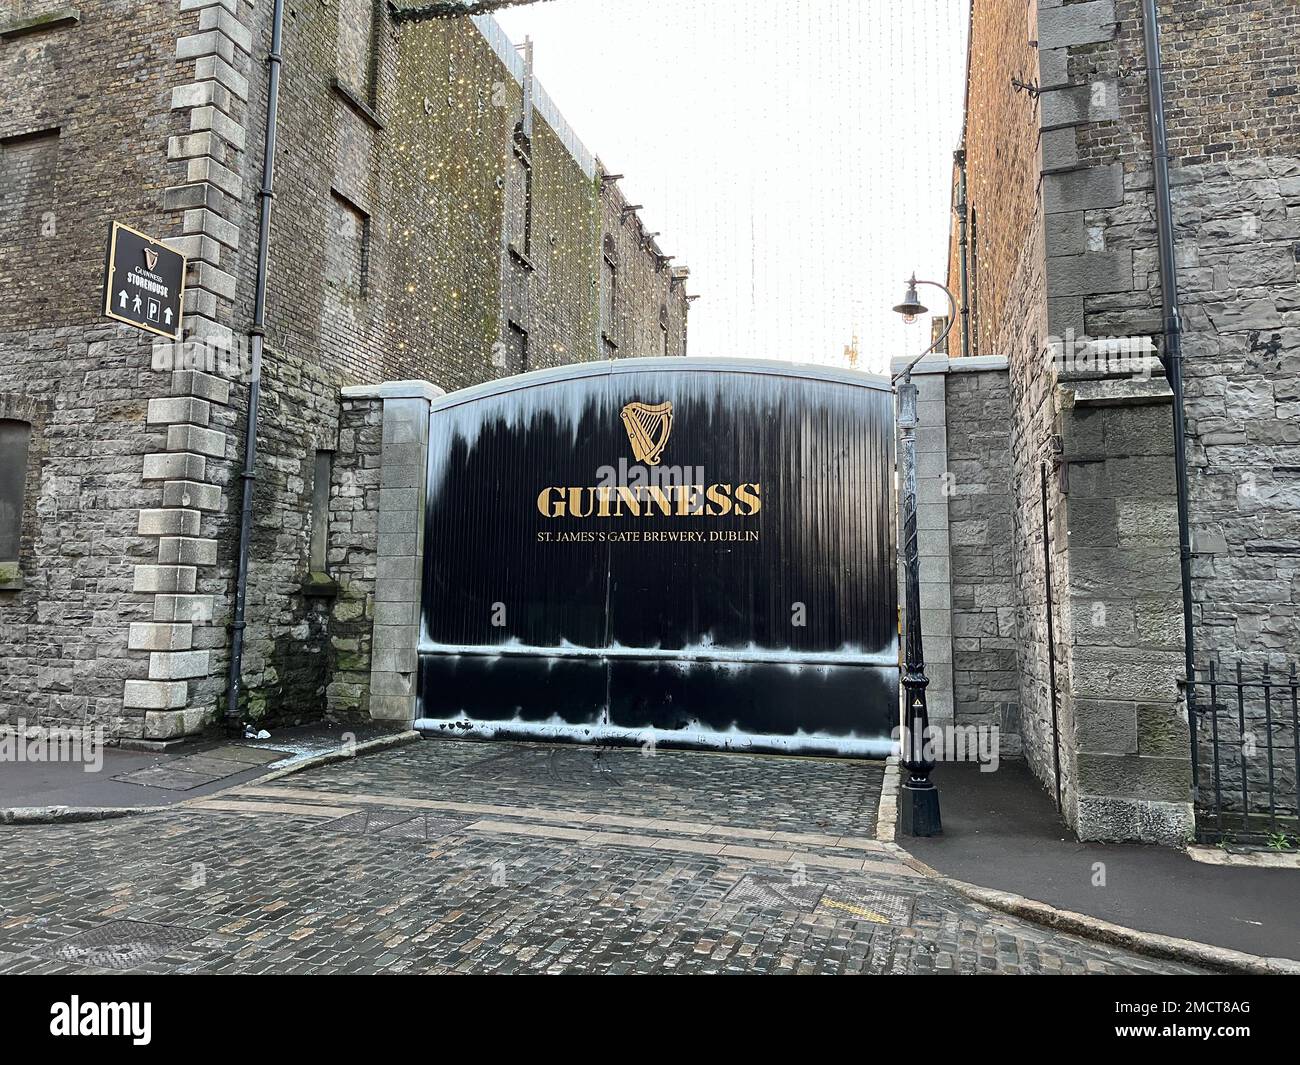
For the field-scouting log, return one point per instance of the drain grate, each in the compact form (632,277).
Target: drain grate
(378,821)
(423,827)
(867,904)
(393,824)
(121,944)
(353,824)
(775,891)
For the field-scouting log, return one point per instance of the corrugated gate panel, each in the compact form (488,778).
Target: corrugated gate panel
(767,621)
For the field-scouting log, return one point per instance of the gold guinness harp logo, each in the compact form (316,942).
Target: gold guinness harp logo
(648,426)
(151,258)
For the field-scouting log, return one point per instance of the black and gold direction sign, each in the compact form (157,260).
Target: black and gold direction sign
(144,282)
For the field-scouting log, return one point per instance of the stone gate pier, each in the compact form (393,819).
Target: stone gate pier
(1086,683)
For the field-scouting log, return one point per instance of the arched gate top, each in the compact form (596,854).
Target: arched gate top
(673,364)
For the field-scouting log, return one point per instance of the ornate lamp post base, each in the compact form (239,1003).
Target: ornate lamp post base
(918,813)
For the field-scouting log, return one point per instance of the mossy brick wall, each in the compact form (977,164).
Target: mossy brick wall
(563,307)
(163,132)
(422,162)
(647,303)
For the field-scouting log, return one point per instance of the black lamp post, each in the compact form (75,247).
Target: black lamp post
(920,806)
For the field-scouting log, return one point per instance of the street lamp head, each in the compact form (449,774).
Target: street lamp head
(911,307)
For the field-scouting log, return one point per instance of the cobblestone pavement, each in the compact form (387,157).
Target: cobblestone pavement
(778,793)
(458,857)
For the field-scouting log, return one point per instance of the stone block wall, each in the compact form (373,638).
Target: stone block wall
(1234,137)
(390,565)
(66,610)
(986,676)
(1125,762)
(101,631)
(1071,277)
(964,523)
(352,555)
(1104,722)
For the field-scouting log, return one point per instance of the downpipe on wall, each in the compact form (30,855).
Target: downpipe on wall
(256,335)
(1173,346)
(963,213)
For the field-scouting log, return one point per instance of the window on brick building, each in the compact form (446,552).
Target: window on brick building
(519,198)
(356,47)
(517,347)
(29,220)
(15,438)
(347,246)
(609,289)
(322,472)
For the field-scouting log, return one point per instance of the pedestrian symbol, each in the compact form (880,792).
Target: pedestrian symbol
(144,282)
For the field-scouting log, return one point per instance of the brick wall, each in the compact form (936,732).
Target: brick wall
(650,305)
(1001,143)
(386,260)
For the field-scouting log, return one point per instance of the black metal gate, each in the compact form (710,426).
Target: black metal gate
(680,551)
(1246,743)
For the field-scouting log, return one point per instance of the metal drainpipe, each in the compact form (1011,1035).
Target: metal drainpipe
(975,281)
(1051,639)
(256,335)
(962,211)
(1173,353)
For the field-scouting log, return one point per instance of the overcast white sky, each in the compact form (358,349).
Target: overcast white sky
(795,154)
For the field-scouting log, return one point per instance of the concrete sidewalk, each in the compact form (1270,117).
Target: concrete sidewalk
(1001,830)
(127,778)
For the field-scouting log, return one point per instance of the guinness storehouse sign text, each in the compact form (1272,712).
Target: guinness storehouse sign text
(648,501)
(144,282)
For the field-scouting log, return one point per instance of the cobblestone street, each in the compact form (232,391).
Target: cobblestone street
(450,856)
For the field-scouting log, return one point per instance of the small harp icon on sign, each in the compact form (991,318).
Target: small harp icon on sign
(648,426)
(151,258)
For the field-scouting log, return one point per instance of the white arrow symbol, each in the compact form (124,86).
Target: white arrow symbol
(136,305)
(123,296)
(167,316)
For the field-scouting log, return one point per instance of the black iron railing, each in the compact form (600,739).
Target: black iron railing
(1245,732)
